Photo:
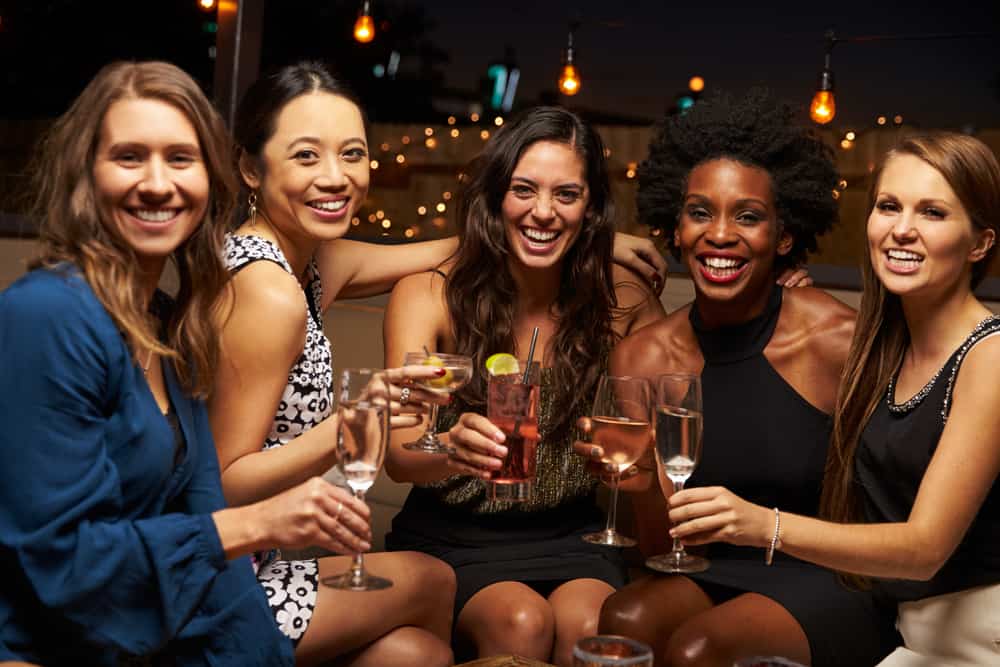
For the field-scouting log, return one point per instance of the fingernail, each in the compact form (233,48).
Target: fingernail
(500,451)
(365,546)
(499,436)
(673,533)
(440,372)
(485,475)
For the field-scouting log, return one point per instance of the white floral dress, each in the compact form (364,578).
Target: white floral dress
(306,401)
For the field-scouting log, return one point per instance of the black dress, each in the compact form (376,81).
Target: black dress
(895,449)
(767,444)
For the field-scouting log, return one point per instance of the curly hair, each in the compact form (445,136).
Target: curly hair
(755,131)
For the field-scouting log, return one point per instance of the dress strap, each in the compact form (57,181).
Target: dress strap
(988,327)
(729,344)
(241,250)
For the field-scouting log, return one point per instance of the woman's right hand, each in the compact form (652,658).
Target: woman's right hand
(315,513)
(477,446)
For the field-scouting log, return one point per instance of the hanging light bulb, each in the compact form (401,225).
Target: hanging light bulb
(364,27)
(569,79)
(824,107)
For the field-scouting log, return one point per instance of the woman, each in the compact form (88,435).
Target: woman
(535,229)
(113,534)
(303,157)
(740,192)
(914,452)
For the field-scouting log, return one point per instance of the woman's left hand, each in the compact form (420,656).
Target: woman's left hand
(641,256)
(797,276)
(715,514)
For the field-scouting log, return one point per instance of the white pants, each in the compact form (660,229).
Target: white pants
(954,630)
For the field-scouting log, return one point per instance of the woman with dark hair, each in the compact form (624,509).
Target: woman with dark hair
(535,232)
(303,156)
(914,453)
(114,541)
(739,191)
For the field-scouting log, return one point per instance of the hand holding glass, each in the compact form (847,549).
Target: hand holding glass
(678,449)
(512,406)
(620,427)
(458,372)
(361,442)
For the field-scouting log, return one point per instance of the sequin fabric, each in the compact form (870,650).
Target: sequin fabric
(560,475)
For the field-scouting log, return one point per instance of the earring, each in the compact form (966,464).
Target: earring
(252,207)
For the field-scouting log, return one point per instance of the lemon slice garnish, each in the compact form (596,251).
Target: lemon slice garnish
(502,364)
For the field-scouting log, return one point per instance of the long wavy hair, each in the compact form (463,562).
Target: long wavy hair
(481,293)
(73,229)
(881,336)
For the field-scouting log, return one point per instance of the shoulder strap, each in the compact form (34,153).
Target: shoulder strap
(988,327)
(240,251)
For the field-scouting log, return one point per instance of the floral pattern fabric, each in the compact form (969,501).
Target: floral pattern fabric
(306,401)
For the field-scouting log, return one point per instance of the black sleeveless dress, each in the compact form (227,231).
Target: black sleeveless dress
(767,444)
(895,449)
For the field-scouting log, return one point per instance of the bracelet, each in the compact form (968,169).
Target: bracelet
(774,538)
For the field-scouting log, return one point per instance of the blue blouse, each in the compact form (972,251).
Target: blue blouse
(107,547)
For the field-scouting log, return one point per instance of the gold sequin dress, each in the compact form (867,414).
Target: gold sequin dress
(537,542)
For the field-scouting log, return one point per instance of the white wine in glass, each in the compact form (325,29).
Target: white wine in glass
(362,441)
(457,373)
(620,426)
(678,450)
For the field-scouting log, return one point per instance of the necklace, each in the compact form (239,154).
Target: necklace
(149,360)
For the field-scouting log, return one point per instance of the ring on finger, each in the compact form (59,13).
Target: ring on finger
(404,396)
(340,508)
(595,452)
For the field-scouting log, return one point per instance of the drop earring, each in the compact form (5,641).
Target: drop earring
(252,207)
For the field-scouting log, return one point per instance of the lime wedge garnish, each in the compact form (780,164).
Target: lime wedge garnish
(502,364)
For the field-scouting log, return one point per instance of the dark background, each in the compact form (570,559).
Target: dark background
(634,57)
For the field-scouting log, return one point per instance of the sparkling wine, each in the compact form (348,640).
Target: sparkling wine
(623,440)
(360,475)
(678,441)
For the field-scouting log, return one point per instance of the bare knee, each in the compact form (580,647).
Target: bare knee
(528,624)
(407,647)
(697,647)
(624,613)
(437,581)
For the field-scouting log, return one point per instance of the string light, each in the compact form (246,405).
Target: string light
(484,135)
(880,120)
(569,78)
(207,5)
(380,214)
(421,210)
(373,164)
(446,196)
(451,120)
(355,221)
(850,136)
(384,146)
(454,134)
(406,140)
(696,84)
(387,223)
(364,27)
(474,117)
(372,217)
(400,158)
(431,143)
(440,207)
(498,121)
(428,132)
(897,119)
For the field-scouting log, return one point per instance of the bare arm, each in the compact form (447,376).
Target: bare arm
(261,340)
(355,269)
(638,305)
(961,472)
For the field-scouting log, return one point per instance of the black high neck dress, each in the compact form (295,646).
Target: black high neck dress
(766,443)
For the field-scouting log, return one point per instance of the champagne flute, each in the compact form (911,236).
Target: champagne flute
(361,442)
(620,426)
(611,651)
(678,450)
(458,372)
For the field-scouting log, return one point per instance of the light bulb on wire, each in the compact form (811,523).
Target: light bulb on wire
(569,78)
(364,27)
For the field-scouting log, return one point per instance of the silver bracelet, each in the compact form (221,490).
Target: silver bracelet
(769,557)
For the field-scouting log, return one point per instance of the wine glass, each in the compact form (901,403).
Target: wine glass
(458,372)
(620,425)
(361,443)
(611,651)
(678,449)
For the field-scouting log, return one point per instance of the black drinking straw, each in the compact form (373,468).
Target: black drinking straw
(527,375)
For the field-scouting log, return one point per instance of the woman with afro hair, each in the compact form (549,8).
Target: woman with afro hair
(740,192)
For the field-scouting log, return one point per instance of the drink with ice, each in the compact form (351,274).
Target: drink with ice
(512,406)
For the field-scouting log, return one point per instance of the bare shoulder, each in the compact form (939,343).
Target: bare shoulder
(667,345)
(638,306)
(822,322)
(266,290)
(426,288)
(977,373)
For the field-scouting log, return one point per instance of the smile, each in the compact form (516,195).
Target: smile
(330,206)
(154,215)
(541,236)
(903,261)
(718,269)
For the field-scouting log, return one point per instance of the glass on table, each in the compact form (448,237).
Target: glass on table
(512,405)
(620,426)
(678,450)
(362,440)
(611,651)
(458,372)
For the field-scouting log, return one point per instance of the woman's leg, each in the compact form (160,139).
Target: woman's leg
(403,647)
(576,607)
(748,625)
(508,617)
(421,595)
(651,609)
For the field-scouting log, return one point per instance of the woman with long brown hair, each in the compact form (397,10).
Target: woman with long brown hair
(911,477)
(114,537)
(536,226)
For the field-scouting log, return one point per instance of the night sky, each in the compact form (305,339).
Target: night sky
(634,57)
